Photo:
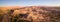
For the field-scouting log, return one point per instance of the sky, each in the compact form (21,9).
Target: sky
(29,2)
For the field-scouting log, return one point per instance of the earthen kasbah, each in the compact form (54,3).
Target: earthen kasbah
(30,14)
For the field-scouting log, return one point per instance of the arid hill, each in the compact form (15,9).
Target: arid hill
(30,14)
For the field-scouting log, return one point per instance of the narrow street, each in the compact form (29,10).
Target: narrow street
(5,18)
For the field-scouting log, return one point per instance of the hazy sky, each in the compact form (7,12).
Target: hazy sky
(29,2)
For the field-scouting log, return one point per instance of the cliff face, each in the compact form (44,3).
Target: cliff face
(35,14)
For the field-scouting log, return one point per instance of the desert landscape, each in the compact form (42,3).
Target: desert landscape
(30,14)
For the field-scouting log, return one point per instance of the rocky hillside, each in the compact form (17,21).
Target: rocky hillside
(31,14)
